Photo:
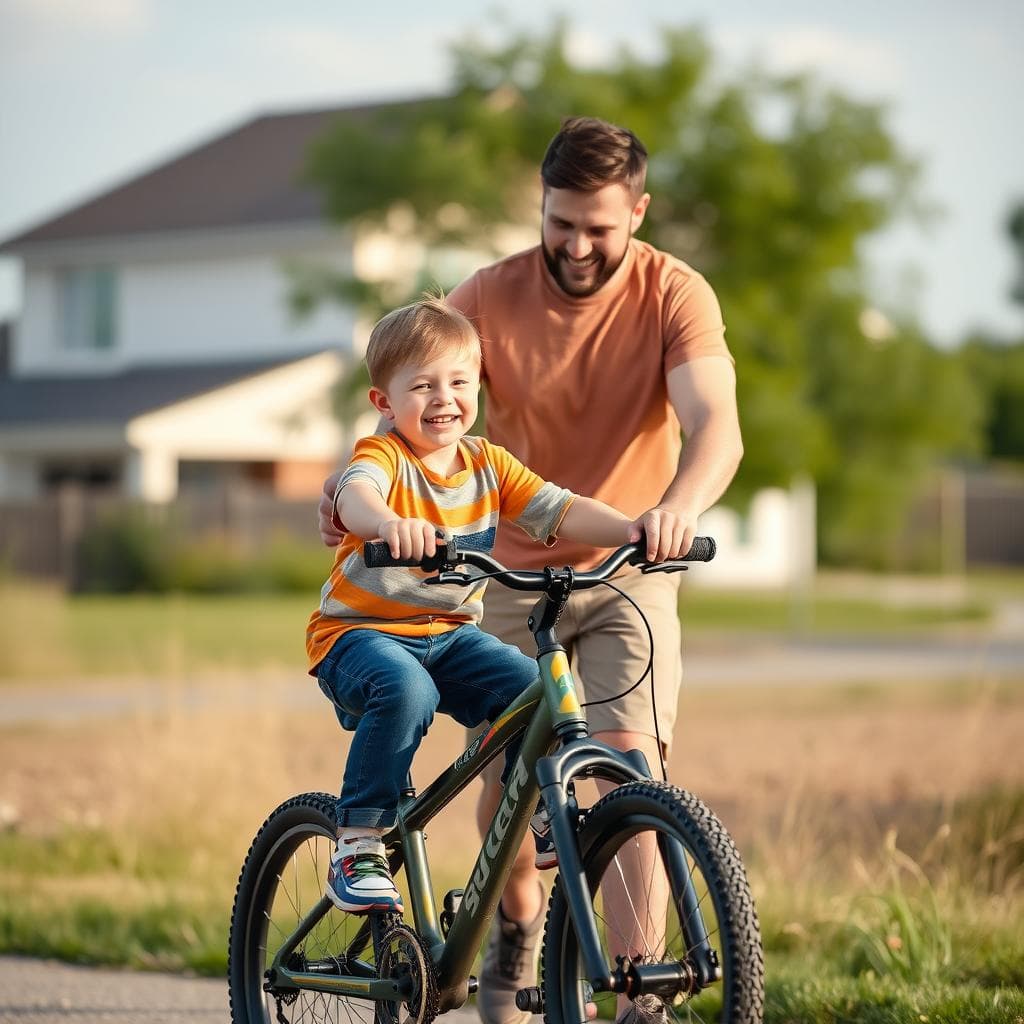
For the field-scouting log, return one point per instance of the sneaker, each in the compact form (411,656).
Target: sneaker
(359,879)
(547,855)
(510,963)
(645,1009)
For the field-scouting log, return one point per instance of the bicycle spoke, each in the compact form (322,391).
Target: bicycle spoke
(668,888)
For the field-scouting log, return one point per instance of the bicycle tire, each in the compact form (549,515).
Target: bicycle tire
(282,880)
(712,861)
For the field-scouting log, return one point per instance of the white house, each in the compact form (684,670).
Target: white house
(156,349)
(156,345)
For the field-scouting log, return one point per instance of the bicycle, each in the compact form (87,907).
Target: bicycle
(293,956)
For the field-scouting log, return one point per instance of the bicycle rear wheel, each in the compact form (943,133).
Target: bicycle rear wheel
(668,836)
(282,881)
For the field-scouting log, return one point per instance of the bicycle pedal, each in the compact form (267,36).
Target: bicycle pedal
(530,999)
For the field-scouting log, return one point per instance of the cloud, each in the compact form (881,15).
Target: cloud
(113,17)
(867,63)
(342,61)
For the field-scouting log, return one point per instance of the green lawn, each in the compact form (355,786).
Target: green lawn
(45,633)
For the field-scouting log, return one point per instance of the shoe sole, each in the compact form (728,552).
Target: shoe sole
(544,863)
(385,906)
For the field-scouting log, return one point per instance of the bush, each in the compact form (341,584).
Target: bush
(131,552)
(123,552)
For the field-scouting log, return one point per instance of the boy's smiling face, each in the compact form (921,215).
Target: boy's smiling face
(432,404)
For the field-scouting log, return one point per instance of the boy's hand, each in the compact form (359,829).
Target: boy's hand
(329,532)
(409,538)
(669,534)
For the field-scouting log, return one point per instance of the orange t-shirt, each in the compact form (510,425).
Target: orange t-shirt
(576,386)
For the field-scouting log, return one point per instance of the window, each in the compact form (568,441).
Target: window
(88,302)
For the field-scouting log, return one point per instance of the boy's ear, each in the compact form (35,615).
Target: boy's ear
(379,400)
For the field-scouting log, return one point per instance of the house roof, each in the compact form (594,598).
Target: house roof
(120,397)
(247,177)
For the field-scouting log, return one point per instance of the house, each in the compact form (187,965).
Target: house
(156,347)
(156,351)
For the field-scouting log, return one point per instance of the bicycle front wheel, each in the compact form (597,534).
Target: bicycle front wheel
(281,883)
(668,888)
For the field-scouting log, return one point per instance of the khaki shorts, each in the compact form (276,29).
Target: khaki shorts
(608,647)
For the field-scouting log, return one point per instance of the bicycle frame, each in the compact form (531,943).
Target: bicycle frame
(548,715)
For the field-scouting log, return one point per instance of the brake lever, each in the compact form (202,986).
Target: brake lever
(670,566)
(460,579)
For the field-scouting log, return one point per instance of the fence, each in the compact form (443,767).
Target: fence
(40,537)
(965,519)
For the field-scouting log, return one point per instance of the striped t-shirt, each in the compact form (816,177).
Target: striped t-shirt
(467,505)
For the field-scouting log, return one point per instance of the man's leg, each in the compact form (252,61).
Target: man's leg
(612,650)
(635,901)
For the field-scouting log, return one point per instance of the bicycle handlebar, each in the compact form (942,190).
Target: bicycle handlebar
(376,554)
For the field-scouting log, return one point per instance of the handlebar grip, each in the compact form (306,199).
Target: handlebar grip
(701,550)
(377,555)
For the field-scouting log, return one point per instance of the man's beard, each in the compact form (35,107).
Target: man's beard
(556,262)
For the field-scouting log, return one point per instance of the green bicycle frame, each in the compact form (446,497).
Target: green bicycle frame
(548,713)
(548,704)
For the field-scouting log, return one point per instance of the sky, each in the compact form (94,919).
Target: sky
(93,92)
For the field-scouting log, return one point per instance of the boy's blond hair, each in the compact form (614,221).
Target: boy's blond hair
(419,332)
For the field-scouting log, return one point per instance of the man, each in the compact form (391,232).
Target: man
(596,349)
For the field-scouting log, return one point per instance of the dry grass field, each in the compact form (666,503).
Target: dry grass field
(882,824)
(867,816)
(832,764)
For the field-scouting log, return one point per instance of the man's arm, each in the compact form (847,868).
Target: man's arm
(703,395)
(328,523)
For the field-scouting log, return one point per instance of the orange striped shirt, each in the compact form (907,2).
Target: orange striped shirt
(493,485)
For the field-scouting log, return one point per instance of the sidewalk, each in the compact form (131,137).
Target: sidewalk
(49,992)
(722,660)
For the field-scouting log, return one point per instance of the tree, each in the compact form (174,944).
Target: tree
(766,184)
(1015,229)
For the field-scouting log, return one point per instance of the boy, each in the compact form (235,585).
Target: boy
(388,651)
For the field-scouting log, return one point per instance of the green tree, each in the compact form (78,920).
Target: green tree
(996,365)
(766,184)
(1015,229)
(997,368)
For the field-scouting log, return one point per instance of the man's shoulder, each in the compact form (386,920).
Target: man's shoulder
(509,268)
(654,262)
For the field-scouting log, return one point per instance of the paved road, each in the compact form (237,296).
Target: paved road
(47,992)
(749,660)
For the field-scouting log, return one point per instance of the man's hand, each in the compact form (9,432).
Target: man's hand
(329,533)
(668,533)
(409,538)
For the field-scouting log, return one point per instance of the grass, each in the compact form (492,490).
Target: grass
(883,826)
(46,634)
(883,896)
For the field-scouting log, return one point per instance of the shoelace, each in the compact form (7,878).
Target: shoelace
(363,864)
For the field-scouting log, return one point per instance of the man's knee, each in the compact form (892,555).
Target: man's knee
(625,740)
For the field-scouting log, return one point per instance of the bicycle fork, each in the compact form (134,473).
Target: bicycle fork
(584,756)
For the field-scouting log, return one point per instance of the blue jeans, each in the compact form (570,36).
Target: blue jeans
(387,689)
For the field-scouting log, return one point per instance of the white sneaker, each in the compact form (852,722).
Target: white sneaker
(359,879)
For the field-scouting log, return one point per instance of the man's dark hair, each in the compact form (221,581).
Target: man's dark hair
(587,154)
